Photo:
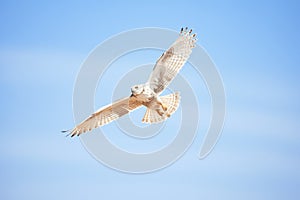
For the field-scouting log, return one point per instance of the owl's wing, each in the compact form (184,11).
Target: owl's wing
(171,61)
(106,115)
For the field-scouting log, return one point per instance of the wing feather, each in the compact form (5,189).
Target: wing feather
(106,115)
(171,61)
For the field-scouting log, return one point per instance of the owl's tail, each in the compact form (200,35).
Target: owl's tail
(170,102)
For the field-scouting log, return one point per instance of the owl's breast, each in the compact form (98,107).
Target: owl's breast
(147,95)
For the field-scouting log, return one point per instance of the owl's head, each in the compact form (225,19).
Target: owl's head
(137,89)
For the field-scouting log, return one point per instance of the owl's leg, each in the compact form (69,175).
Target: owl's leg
(163,106)
(162,110)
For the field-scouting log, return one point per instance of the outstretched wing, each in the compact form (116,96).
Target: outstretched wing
(106,115)
(171,61)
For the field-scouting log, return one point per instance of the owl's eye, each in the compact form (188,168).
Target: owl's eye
(136,87)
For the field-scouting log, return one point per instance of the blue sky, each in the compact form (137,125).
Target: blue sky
(255,46)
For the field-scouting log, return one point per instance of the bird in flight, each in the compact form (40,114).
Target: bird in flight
(159,108)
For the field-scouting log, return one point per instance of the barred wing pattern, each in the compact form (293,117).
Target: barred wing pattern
(171,61)
(106,115)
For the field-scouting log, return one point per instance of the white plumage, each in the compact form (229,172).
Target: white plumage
(158,108)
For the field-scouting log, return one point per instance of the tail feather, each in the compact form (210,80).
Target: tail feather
(171,102)
(151,116)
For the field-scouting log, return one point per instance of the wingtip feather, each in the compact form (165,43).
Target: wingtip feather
(69,133)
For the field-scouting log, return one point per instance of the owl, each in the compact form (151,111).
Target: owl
(159,108)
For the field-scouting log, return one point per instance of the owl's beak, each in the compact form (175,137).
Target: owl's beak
(132,95)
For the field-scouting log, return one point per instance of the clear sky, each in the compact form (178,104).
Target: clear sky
(255,46)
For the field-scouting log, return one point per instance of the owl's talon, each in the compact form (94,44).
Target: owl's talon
(165,108)
(160,112)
